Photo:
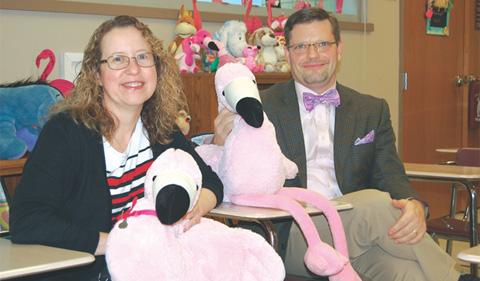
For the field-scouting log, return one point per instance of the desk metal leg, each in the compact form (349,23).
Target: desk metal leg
(473,221)
(269,229)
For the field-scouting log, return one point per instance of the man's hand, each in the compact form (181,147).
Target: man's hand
(411,226)
(223,125)
(206,202)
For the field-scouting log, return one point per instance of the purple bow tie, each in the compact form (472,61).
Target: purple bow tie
(330,97)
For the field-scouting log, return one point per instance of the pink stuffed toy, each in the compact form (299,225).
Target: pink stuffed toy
(253,170)
(250,53)
(64,86)
(140,247)
(186,59)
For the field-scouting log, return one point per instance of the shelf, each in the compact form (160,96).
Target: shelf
(12,167)
(79,7)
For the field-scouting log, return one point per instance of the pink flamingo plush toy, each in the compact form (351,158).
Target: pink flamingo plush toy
(149,243)
(64,86)
(253,170)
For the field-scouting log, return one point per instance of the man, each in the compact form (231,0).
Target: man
(344,147)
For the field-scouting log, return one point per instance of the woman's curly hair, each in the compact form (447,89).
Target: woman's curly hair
(85,104)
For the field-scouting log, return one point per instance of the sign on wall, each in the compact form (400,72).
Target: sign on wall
(438,16)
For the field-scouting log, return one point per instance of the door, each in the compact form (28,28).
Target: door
(434,108)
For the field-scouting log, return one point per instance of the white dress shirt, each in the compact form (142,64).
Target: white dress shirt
(318,128)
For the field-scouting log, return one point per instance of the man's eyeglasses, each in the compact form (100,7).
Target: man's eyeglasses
(321,46)
(117,61)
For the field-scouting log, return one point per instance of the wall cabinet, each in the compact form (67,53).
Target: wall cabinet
(202,99)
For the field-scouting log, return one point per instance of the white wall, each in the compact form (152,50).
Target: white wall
(370,63)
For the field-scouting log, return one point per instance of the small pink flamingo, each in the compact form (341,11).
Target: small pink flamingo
(64,86)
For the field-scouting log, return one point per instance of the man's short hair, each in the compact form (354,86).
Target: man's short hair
(308,16)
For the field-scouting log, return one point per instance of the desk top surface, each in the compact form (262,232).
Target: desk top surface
(437,171)
(232,211)
(20,260)
(470,255)
(447,150)
(12,167)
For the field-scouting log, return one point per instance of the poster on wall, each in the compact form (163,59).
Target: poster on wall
(474,104)
(438,16)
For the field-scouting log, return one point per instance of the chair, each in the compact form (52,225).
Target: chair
(449,227)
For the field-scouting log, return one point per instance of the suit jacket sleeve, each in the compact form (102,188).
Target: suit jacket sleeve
(387,171)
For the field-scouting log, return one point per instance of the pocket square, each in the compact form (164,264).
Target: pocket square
(368,138)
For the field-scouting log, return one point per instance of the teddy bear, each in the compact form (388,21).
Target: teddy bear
(148,243)
(253,170)
(277,24)
(264,38)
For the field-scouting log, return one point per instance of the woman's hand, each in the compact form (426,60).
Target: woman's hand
(205,203)
(102,242)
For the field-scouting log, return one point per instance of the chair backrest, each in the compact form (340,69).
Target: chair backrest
(468,156)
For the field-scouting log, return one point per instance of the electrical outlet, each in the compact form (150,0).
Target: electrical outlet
(72,63)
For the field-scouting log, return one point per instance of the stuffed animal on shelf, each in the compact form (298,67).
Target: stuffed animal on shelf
(149,243)
(253,170)
(184,28)
(252,23)
(264,38)
(24,107)
(64,86)
(250,54)
(277,24)
(204,39)
(232,35)
(190,53)
(302,4)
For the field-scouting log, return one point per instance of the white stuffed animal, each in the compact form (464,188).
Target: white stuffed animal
(140,247)
(232,35)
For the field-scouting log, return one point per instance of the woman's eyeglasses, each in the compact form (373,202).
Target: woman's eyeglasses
(117,61)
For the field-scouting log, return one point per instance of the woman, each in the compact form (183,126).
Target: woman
(91,158)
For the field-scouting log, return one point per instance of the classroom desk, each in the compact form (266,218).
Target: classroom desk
(471,255)
(447,150)
(264,216)
(465,176)
(12,167)
(20,260)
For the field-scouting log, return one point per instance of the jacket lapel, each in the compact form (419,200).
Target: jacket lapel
(344,128)
(289,125)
